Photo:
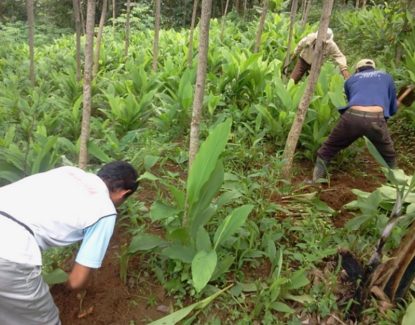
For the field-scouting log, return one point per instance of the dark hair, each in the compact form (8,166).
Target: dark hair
(364,68)
(119,175)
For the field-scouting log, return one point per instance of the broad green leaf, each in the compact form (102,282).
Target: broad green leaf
(203,240)
(409,317)
(206,160)
(56,276)
(95,151)
(179,252)
(161,211)
(203,266)
(182,313)
(281,307)
(144,242)
(150,161)
(231,223)
(228,197)
(148,176)
(298,280)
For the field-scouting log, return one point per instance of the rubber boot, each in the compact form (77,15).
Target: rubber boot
(320,169)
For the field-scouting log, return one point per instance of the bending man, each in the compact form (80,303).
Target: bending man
(305,52)
(51,209)
(371,97)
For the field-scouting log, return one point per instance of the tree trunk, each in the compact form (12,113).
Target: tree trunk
(200,79)
(99,37)
(87,89)
(294,134)
(113,16)
(192,28)
(31,24)
(306,12)
(127,29)
(222,28)
(294,6)
(261,26)
(77,19)
(81,14)
(156,34)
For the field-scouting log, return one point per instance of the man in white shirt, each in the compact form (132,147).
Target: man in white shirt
(305,53)
(52,209)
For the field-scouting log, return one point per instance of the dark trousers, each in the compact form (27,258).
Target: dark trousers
(300,68)
(353,125)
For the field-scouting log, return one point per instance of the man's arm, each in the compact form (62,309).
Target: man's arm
(339,58)
(78,276)
(92,251)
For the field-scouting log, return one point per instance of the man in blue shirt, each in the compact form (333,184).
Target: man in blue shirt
(371,97)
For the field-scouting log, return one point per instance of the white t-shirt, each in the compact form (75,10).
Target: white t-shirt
(56,205)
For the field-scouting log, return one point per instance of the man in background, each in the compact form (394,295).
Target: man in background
(371,97)
(305,53)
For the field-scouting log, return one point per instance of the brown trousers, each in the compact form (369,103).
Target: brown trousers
(353,125)
(300,68)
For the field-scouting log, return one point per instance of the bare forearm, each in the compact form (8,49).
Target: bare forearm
(78,276)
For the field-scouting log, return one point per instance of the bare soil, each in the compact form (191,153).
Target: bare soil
(107,300)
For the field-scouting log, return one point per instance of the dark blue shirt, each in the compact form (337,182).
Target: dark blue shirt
(371,88)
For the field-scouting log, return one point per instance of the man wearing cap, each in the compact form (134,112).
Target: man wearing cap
(305,52)
(371,97)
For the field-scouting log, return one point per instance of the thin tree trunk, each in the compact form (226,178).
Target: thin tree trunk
(99,37)
(294,6)
(31,24)
(192,28)
(87,89)
(113,19)
(200,79)
(156,34)
(306,12)
(222,28)
(77,19)
(81,12)
(127,29)
(200,86)
(293,136)
(261,26)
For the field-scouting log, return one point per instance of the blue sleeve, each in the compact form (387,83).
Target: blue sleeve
(95,242)
(393,101)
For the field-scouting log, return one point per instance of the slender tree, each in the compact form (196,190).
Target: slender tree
(223,22)
(113,16)
(192,28)
(306,12)
(297,126)
(31,24)
(156,34)
(87,89)
(127,29)
(261,25)
(200,78)
(77,18)
(81,13)
(99,37)
(294,5)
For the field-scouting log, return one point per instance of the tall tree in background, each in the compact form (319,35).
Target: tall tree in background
(192,28)
(31,24)
(81,14)
(127,29)
(200,78)
(87,89)
(294,5)
(261,25)
(99,37)
(77,19)
(156,34)
(306,11)
(113,17)
(222,28)
(295,131)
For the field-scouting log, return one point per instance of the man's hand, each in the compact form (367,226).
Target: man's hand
(78,276)
(346,74)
